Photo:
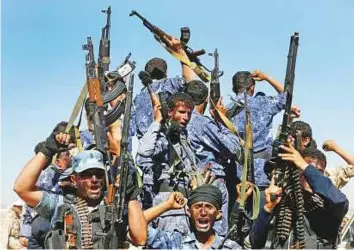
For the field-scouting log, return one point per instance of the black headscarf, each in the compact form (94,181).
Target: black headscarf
(206,193)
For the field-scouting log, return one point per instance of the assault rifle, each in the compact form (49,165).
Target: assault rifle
(290,211)
(125,160)
(112,87)
(215,95)
(104,50)
(215,83)
(192,61)
(116,235)
(96,107)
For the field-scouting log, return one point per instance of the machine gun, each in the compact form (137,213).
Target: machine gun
(192,61)
(290,213)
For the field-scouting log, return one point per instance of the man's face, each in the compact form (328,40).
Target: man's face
(303,142)
(203,216)
(318,165)
(63,160)
(181,113)
(90,185)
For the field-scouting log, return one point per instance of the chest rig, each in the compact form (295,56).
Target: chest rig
(76,227)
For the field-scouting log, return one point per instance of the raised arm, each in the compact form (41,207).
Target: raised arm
(175,201)
(149,145)
(331,145)
(25,184)
(260,76)
(137,223)
(187,72)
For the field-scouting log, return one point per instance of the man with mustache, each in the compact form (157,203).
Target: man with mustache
(167,157)
(84,207)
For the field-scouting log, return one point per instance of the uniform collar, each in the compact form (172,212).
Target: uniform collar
(190,238)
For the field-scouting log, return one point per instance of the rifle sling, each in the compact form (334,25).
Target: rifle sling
(77,108)
(256,193)
(228,124)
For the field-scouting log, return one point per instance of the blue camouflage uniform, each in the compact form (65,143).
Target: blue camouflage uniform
(214,144)
(262,109)
(159,239)
(143,115)
(87,138)
(27,221)
(48,180)
(153,159)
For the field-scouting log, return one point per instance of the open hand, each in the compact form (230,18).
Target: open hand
(291,154)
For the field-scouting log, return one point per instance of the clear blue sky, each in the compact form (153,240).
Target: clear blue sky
(43,64)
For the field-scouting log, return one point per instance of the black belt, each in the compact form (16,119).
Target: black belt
(165,187)
(261,154)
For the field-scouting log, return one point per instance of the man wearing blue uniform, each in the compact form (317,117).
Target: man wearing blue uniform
(157,68)
(143,113)
(212,143)
(262,109)
(204,209)
(88,179)
(168,159)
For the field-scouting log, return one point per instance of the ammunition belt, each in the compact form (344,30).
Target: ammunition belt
(86,226)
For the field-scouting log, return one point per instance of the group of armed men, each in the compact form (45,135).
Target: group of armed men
(185,188)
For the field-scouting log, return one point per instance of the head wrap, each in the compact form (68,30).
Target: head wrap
(206,193)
